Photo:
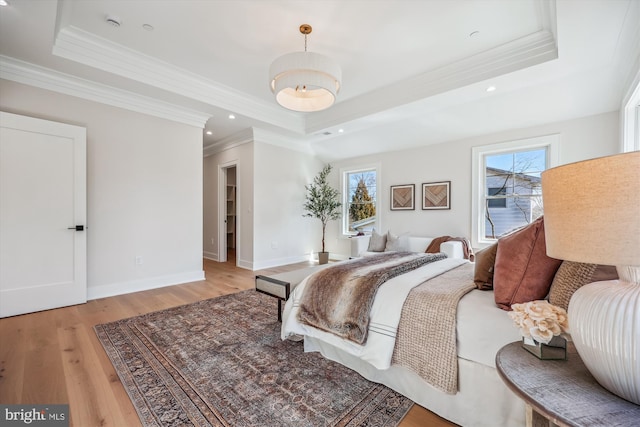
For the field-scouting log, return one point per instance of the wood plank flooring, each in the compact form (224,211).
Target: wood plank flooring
(54,357)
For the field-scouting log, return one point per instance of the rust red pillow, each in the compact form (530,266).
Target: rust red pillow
(523,272)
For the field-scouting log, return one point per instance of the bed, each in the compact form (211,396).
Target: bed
(479,397)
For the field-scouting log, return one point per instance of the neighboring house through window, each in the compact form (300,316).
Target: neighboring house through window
(497,202)
(507,191)
(359,204)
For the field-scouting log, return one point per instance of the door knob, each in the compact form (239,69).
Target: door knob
(77,228)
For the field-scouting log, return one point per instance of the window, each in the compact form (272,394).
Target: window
(498,202)
(507,191)
(359,200)
(631,129)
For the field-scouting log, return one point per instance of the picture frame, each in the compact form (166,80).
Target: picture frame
(436,195)
(403,197)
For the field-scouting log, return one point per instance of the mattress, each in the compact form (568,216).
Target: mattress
(482,328)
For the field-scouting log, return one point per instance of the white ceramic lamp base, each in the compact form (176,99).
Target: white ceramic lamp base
(604,320)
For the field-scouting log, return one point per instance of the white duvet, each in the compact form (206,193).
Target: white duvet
(385,315)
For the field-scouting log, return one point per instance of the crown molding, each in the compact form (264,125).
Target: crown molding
(273,138)
(525,52)
(89,49)
(84,47)
(244,136)
(260,136)
(46,78)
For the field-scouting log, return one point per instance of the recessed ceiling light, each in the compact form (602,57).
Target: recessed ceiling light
(147,27)
(209,132)
(491,88)
(231,116)
(4,3)
(340,130)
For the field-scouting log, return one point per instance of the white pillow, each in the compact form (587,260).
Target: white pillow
(397,243)
(377,242)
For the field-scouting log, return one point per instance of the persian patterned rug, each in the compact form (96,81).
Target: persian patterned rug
(220,362)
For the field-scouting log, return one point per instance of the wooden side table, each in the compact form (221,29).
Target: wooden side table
(562,392)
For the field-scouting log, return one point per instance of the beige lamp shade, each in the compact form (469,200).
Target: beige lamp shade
(592,210)
(592,215)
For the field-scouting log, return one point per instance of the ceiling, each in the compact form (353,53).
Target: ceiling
(414,72)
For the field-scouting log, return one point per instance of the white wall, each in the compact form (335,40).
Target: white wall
(144,190)
(282,234)
(580,139)
(146,186)
(270,184)
(242,157)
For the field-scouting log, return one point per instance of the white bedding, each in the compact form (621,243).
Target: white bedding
(483,400)
(482,328)
(385,315)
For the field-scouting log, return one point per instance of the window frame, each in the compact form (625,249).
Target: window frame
(550,142)
(344,185)
(631,120)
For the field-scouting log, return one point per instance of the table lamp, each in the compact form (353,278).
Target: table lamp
(592,215)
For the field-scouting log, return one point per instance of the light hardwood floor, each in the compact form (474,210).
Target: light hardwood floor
(54,357)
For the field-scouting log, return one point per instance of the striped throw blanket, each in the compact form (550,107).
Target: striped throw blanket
(338,299)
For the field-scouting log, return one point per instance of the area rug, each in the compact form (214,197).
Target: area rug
(220,362)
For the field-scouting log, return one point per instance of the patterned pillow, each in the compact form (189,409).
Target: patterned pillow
(483,272)
(397,243)
(573,275)
(377,242)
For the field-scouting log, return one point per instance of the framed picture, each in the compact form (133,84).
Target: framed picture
(402,198)
(436,195)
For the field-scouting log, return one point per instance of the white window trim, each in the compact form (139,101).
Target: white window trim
(631,122)
(345,195)
(551,142)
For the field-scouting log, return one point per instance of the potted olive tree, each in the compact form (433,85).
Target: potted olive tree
(322,202)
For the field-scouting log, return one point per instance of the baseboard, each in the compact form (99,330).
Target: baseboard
(261,265)
(247,265)
(270,263)
(122,288)
(337,257)
(213,256)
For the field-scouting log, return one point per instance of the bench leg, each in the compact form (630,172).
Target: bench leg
(279,310)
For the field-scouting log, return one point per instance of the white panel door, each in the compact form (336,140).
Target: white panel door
(42,200)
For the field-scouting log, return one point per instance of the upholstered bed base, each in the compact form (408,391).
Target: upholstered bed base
(480,387)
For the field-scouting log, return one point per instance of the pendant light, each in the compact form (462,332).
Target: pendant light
(305,81)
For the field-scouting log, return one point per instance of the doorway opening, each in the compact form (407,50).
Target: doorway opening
(228,247)
(231,209)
